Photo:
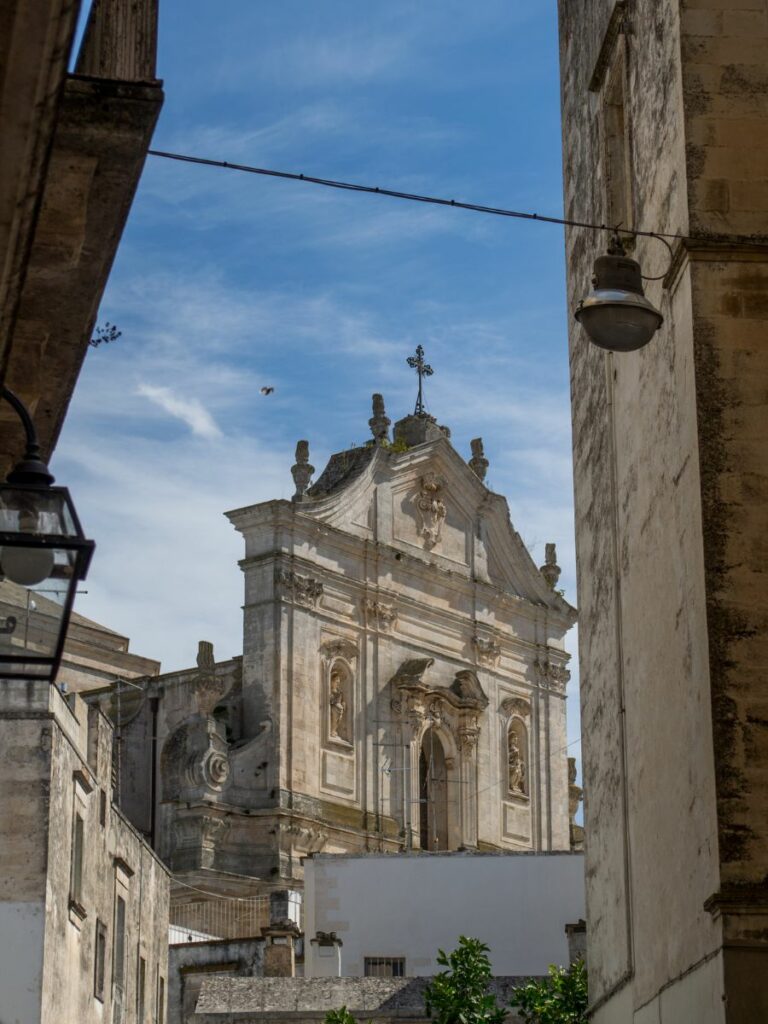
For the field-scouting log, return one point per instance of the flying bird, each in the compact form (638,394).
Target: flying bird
(267,391)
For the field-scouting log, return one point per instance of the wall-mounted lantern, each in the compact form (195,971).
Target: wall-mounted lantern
(43,556)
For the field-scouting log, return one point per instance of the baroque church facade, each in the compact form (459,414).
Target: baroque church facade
(401,687)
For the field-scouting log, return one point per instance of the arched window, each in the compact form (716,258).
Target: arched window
(517,758)
(340,697)
(433,793)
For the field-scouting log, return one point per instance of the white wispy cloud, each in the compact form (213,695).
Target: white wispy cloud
(189,410)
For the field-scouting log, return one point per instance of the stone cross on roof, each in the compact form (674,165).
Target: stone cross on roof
(424,370)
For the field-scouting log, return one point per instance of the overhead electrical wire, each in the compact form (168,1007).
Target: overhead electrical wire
(415,197)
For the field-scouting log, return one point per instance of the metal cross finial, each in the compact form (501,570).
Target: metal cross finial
(424,370)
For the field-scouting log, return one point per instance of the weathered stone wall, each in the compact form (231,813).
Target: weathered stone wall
(56,761)
(670,469)
(256,1001)
(191,963)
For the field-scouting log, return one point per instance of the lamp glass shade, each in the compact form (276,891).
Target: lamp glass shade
(618,322)
(43,556)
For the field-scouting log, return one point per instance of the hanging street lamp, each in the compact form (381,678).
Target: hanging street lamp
(43,556)
(616,314)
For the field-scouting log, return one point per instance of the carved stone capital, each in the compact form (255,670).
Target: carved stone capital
(304,590)
(468,737)
(551,674)
(378,615)
(487,650)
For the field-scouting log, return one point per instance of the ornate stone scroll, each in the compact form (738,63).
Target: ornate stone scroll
(378,615)
(303,589)
(431,509)
(487,650)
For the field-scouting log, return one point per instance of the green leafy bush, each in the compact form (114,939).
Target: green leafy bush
(559,999)
(459,995)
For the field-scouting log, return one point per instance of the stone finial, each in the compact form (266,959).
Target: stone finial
(575,793)
(550,570)
(478,463)
(205,659)
(379,422)
(302,471)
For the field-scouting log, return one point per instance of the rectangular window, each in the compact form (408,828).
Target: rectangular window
(118,962)
(100,959)
(160,1012)
(76,864)
(140,983)
(384,967)
(102,807)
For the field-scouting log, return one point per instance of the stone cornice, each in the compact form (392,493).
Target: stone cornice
(722,250)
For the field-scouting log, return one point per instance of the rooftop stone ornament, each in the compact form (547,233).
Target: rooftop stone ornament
(302,471)
(379,422)
(478,463)
(550,570)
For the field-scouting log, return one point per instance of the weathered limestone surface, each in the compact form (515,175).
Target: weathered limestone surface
(55,762)
(670,464)
(258,1000)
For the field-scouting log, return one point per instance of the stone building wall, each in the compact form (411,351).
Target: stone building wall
(665,127)
(55,767)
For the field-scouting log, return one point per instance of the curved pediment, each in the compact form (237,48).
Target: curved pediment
(428,503)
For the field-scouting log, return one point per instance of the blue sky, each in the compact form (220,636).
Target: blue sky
(225,282)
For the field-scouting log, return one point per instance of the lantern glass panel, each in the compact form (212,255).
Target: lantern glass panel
(43,554)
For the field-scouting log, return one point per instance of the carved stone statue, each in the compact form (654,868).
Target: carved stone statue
(478,463)
(379,422)
(516,765)
(337,706)
(432,511)
(550,570)
(302,471)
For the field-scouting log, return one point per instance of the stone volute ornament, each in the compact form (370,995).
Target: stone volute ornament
(478,463)
(379,422)
(431,509)
(302,471)
(550,570)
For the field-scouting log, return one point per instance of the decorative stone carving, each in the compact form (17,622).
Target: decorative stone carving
(310,840)
(431,509)
(208,690)
(515,762)
(468,738)
(487,650)
(303,589)
(515,706)
(379,616)
(302,471)
(478,463)
(550,570)
(467,688)
(338,647)
(339,703)
(379,422)
(551,674)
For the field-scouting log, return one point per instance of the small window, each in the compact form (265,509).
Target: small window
(76,865)
(100,959)
(140,985)
(385,967)
(102,807)
(160,1014)
(118,962)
